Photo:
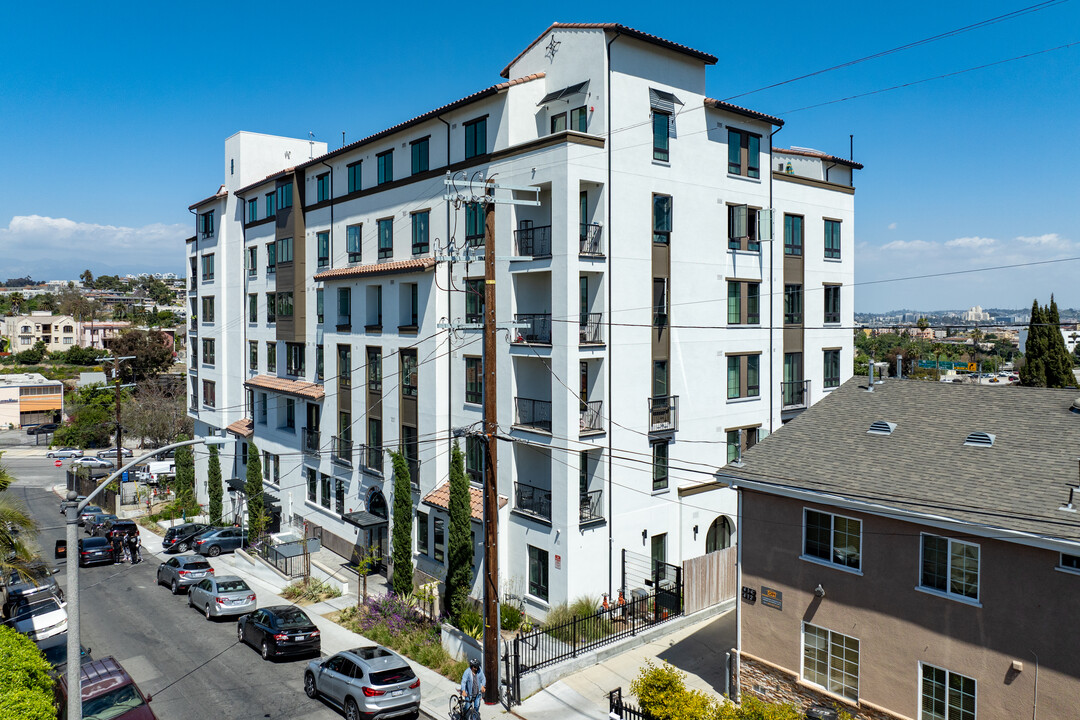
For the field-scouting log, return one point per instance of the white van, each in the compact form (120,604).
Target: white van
(154,472)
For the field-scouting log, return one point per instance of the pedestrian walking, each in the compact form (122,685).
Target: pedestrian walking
(133,543)
(117,548)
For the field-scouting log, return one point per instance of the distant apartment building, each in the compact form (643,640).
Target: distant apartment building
(58,332)
(975,314)
(30,399)
(680,290)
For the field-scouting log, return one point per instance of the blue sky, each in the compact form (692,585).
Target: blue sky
(114,119)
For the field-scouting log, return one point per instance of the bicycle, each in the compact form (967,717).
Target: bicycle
(462,710)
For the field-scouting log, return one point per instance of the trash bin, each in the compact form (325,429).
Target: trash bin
(821,713)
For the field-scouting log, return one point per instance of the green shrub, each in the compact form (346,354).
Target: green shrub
(470,623)
(310,590)
(591,626)
(26,689)
(510,616)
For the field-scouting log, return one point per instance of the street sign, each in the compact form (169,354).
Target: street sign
(58,463)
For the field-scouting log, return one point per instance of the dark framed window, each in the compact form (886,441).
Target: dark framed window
(324,494)
(374,369)
(271,258)
(748,437)
(753,303)
(660,379)
(474,224)
(793,304)
(253,210)
(474,380)
(339,496)
(832,538)
(743,228)
(419,150)
(253,307)
(538,573)
(344,306)
(950,566)
(386,238)
(271,357)
(832,303)
(209,395)
(579,119)
(793,234)
(832,239)
(474,459)
(661,219)
(832,368)
(660,466)
(354,176)
(558,123)
(208,354)
(743,376)
(290,414)
(295,359)
(744,153)
(440,539)
(409,379)
(285,304)
(320,305)
(284,196)
(284,250)
(270,207)
(660,302)
(271,308)
(474,300)
(420,226)
(344,365)
(323,242)
(208,266)
(1070,562)
(421,532)
(322,187)
(386,167)
(374,444)
(312,485)
(206,223)
(253,261)
(734,303)
(208,309)
(475,137)
(319,362)
(253,355)
(661,125)
(352,242)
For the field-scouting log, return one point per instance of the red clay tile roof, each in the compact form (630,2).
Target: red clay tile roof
(807,152)
(243,428)
(440,498)
(721,105)
(222,192)
(389,268)
(615,27)
(479,95)
(299,388)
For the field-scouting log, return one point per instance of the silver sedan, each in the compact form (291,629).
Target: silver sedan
(220,596)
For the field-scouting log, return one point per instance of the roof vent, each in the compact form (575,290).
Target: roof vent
(1076,406)
(980,439)
(880,427)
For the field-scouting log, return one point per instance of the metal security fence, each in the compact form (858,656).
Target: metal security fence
(617,708)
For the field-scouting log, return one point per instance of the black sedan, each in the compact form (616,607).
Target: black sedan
(95,550)
(42,429)
(179,537)
(279,630)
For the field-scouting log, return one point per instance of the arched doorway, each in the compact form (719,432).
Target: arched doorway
(377,536)
(377,504)
(719,535)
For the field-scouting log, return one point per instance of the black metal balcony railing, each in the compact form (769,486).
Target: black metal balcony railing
(341,451)
(311,441)
(193,406)
(664,413)
(372,457)
(794,395)
(538,331)
(592,329)
(590,239)
(534,414)
(533,242)
(591,418)
(592,506)
(532,500)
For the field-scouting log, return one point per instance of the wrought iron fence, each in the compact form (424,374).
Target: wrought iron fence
(532,413)
(617,708)
(590,239)
(592,329)
(533,242)
(591,418)
(532,500)
(538,331)
(284,559)
(794,394)
(664,413)
(592,506)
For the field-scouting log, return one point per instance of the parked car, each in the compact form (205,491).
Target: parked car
(95,550)
(111,453)
(182,571)
(55,651)
(95,521)
(41,619)
(67,452)
(214,541)
(279,630)
(179,537)
(117,526)
(219,596)
(91,462)
(365,682)
(38,583)
(107,692)
(42,429)
(154,472)
(88,512)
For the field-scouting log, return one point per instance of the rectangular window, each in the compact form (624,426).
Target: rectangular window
(386,167)
(352,242)
(271,357)
(322,187)
(474,459)
(386,238)
(312,485)
(414,305)
(1070,562)
(734,303)
(474,380)
(208,266)
(285,304)
(409,380)
(793,304)
(744,151)
(374,444)
(344,307)
(208,351)
(253,210)
(660,301)
(374,369)
(206,223)
(793,234)
(319,353)
(660,379)
(262,407)
(475,138)
(440,539)
(271,258)
(950,566)
(344,365)
(945,695)
(253,261)
(474,300)
(208,309)
(253,355)
(323,242)
(271,308)
(660,466)
(831,661)
(270,209)
(742,368)
(832,368)
(420,156)
(284,196)
(295,359)
(579,119)
(319,306)
(339,496)
(285,250)
(832,538)
(538,573)
(421,532)
(354,176)
(661,219)
(753,303)
(732,446)
(832,239)
(208,394)
(832,303)
(474,224)
(661,122)
(558,123)
(420,232)
(253,307)
(743,228)
(324,494)
(290,414)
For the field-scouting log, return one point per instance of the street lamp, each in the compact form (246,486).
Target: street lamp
(74,639)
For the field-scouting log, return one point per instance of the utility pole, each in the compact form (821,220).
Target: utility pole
(117,387)
(491,484)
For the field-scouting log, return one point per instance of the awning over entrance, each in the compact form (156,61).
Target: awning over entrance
(364,519)
(567,92)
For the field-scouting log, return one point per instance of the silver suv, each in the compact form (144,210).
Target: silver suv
(366,682)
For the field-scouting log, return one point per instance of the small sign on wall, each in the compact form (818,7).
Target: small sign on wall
(749,594)
(772,598)
(558,562)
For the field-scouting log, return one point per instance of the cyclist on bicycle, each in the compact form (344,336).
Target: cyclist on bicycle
(472,687)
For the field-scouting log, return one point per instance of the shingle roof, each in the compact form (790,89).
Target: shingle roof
(222,192)
(440,498)
(243,427)
(923,466)
(622,29)
(807,152)
(745,112)
(389,268)
(299,388)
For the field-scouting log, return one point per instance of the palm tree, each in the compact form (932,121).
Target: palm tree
(17,529)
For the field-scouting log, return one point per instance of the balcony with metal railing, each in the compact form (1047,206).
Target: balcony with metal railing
(591,235)
(533,501)
(311,441)
(537,329)
(591,506)
(592,329)
(372,458)
(533,242)
(795,395)
(664,414)
(341,451)
(592,420)
(532,414)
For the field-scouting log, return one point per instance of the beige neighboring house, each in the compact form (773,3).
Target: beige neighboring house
(30,399)
(58,332)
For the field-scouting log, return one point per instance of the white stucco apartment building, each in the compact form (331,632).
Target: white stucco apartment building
(662,315)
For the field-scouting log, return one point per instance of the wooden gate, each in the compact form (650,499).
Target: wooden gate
(709,579)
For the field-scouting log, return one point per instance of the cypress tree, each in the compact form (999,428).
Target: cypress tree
(1033,373)
(253,490)
(1059,372)
(184,480)
(402,581)
(213,486)
(460,550)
